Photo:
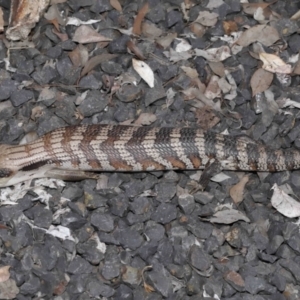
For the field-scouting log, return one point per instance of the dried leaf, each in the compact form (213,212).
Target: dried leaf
(190,72)
(183,46)
(285,204)
(295,16)
(229,27)
(148,288)
(4,273)
(251,8)
(217,68)
(85,34)
(1,20)
(228,216)
(260,81)
(214,4)
(135,49)
(274,64)
(207,18)
(137,24)
(237,191)
(79,56)
(8,289)
(150,30)
(54,14)
(63,36)
(206,117)
(296,70)
(57,1)
(145,119)
(95,61)
(177,56)
(77,22)
(214,54)
(220,177)
(287,102)
(264,34)
(61,232)
(116,5)
(213,89)
(144,71)
(165,41)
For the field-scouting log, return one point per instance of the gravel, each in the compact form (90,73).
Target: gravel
(148,235)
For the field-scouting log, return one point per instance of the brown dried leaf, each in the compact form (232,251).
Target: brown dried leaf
(237,191)
(57,1)
(1,20)
(229,27)
(296,70)
(198,29)
(260,81)
(8,289)
(95,61)
(213,89)
(137,24)
(79,56)
(190,72)
(274,64)
(116,5)
(165,41)
(214,54)
(207,18)
(135,49)
(54,14)
(217,67)
(264,34)
(150,30)
(145,119)
(63,36)
(148,288)
(250,8)
(4,273)
(85,34)
(206,117)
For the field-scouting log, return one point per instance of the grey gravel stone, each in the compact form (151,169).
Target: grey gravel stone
(96,288)
(90,82)
(123,292)
(164,213)
(7,87)
(161,281)
(20,97)
(255,285)
(165,192)
(103,222)
(111,268)
(93,103)
(186,203)
(199,259)
(79,266)
(129,238)
(45,75)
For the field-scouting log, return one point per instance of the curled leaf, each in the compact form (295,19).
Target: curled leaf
(144,71)
(85,34)
(260,81)
(284,203)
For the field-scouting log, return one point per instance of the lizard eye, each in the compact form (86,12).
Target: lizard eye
(5,172)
